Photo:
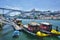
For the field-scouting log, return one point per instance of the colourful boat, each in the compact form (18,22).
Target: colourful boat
(43,29)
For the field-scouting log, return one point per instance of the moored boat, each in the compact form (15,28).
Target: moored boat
(40,29)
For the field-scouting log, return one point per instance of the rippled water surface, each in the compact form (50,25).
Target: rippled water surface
(7,32)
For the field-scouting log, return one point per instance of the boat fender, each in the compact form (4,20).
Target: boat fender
(38,33)
(59,33)
(54,31)
(41,34)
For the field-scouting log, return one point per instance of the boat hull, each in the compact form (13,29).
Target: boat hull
(44,34)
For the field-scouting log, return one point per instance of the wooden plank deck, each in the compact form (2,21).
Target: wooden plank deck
(15,26)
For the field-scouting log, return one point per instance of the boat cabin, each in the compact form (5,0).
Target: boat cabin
(46,26)
(34,27)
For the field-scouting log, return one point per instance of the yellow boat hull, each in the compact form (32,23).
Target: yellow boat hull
(53,32)
(41,34)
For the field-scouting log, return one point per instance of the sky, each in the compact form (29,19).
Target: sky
(31,4)
(42,5)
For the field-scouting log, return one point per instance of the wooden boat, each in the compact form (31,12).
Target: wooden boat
(42,30)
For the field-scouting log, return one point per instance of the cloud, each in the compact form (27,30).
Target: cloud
(13,7)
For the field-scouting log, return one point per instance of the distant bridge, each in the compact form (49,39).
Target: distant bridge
(14,10)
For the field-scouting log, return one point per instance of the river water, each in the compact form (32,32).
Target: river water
(7,32)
